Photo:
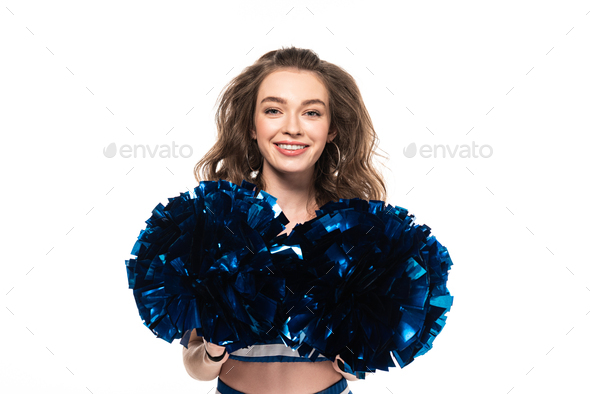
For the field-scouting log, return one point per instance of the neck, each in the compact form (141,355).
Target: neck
(294,193)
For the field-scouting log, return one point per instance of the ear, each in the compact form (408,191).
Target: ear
(332,134)
(253,134)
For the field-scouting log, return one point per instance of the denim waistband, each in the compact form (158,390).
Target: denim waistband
(336,388)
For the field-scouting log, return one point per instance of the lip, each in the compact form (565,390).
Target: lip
(289,143)
(290,152)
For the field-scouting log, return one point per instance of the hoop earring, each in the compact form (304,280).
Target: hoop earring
(337,165)
(248,161)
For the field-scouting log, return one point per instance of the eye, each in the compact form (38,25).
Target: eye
(271,109)
(313,112)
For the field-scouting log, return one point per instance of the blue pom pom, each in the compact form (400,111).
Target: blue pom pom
(203,263)
(361,280)
(369,284)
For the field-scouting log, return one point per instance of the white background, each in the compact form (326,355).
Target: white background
(78,76)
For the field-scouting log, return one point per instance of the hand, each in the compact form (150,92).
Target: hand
(215,350)
(346,375)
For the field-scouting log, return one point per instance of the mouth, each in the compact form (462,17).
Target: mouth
(291,147)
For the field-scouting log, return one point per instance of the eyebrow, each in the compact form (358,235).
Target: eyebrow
(283,101)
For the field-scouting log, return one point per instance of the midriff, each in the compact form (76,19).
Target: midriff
(279,377)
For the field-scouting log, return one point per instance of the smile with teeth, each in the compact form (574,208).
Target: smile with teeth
(291,147)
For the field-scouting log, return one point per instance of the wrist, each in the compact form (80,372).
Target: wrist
(216,358)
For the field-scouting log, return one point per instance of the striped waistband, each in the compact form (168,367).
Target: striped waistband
(340,387)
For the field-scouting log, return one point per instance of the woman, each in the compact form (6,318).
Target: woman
(296,127)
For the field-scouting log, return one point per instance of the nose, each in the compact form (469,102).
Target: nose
(292,126)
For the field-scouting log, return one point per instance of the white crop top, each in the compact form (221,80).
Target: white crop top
(270,352)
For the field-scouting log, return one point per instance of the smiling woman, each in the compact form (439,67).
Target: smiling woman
(296,127)
(294,273)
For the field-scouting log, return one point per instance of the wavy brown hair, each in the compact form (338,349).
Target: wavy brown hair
(354,175)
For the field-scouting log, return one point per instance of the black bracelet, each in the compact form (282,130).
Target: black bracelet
(218,358)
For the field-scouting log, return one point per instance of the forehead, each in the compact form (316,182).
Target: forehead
(293,85)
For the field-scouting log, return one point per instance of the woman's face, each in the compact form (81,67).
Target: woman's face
(291,109)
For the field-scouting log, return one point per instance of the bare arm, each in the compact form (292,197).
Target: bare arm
(197,363)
